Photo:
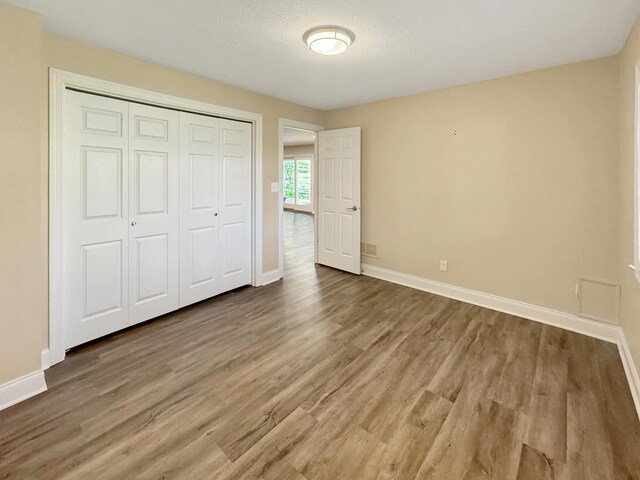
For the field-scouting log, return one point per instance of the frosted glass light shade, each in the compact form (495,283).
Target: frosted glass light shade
(328,40)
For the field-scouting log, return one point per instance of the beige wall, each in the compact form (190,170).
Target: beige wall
(629,61)
(299,150)
(513,181)
(23,271)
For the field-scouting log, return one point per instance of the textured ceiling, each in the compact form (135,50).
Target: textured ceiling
(401,47)
(294,136)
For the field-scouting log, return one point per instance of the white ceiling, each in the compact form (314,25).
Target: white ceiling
(294,136)
(401,47)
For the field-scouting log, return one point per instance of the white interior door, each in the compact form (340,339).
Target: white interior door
(153,212)
(235,204)
(94,211)
(339,199)
(199,208)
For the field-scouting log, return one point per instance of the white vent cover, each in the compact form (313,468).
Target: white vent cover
(598,300)
(369,249)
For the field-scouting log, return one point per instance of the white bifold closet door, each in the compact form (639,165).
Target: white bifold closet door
(155,208)
(154,218)
(215,216)
(95,217)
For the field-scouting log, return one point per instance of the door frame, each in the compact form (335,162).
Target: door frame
(282,123)
(59,80)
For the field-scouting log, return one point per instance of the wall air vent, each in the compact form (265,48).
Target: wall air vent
(369,249)
(598,300)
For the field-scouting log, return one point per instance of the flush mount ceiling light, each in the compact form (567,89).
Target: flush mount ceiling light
(328,40)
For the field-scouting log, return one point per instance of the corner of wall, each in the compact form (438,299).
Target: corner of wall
(628,61)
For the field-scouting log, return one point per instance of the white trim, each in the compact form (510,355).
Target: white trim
(636,179)
(59,80)
(602,331)
(271,276)
(630,370)
(625,353)
(635,271)
(258,199)
(22,388)
(566,321)
(45,363)
(283,122)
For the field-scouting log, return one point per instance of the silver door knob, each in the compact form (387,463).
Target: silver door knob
(354,208)
(134,223)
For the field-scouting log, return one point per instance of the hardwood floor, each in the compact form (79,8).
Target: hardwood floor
(298,238)
(326,375)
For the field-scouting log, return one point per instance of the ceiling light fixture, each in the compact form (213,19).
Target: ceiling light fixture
(328,40)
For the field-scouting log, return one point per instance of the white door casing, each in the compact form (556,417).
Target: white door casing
(282,123)
(339,212)
(153,211)
(95,171)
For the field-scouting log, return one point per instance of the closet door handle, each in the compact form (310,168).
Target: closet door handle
(215,214)
(134,223)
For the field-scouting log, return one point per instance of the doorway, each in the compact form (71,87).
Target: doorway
(329,191)
(298,199)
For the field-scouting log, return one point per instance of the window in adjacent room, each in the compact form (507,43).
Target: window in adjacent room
(297,182)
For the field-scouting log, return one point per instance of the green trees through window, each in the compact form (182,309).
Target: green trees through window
(296,181)
(288,181)
(303,172)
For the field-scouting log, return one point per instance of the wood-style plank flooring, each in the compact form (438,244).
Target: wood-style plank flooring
(298,239)
(326,375)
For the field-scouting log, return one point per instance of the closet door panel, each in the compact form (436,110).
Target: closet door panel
(154,212)
(94,207)
(236,201)
(199,208)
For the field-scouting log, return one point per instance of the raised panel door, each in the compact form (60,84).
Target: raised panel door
(153,212)
(94,207)
(339,199)
(199,208)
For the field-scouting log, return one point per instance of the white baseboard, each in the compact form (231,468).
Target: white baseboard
(592,328)
(271,276)
(630,370)
(584,326)
(22,388)
(45,361)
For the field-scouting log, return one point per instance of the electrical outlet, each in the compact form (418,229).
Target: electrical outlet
(275,187)
(444,266)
